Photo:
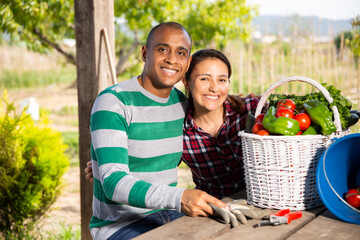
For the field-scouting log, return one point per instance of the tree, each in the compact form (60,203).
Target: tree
(43,24)
(355,42)
(347,38)
(207,22)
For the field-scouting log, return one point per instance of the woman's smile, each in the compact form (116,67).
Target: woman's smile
(212,97)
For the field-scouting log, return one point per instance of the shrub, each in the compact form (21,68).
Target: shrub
(32,163)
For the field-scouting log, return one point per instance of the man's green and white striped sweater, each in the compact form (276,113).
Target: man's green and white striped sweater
(136,145)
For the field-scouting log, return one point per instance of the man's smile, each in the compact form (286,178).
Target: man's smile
(169,70)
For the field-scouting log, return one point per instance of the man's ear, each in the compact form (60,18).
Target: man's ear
(186,84)
(190,58)
(143,53)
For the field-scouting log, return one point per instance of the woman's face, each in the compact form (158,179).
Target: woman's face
(209,84)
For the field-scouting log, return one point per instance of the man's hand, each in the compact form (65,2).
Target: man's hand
(88,171)
(252,95)
(196,203)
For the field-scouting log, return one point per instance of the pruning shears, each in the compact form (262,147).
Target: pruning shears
(281,217)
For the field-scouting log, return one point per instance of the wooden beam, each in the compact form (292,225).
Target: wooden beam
(90,17)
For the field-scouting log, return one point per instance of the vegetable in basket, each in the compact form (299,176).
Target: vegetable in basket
(312,130)
(304,120)
(357,112)
(320,115)
(250,121)
(343,104)
(280,125)
(352,119)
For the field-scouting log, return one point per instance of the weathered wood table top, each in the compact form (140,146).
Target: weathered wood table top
(317,223)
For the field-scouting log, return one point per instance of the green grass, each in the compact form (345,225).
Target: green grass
(64,232)
(72,140)
(29,79)
(68,122)
(68,110)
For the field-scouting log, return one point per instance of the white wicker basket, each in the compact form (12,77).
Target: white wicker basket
(280,171)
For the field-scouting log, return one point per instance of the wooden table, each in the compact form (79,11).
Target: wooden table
(317,223)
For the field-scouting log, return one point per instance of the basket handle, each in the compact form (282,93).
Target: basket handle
(312,82)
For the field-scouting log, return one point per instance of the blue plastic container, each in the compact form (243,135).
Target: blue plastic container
(338,171)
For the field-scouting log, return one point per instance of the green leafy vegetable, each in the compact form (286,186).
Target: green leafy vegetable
(342,103)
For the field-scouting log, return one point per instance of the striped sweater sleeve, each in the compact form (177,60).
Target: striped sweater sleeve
(109,133)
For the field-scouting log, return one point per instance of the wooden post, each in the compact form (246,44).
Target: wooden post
(90,17)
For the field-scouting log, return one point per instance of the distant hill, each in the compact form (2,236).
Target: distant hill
(268,24)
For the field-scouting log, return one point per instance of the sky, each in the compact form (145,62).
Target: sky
(331,9)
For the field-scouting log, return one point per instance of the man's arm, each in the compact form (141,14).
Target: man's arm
(111,167)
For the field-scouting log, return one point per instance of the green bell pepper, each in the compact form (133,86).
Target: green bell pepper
(312,130)
(320,114)
(280,125)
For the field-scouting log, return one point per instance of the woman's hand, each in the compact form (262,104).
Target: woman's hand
(196,203)
(88,171)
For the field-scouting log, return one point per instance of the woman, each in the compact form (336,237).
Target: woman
(212,147)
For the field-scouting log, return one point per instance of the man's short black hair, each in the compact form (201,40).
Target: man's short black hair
(169,24)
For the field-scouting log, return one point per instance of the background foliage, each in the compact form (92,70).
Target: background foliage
(43,24)
(32,163)
(355,41)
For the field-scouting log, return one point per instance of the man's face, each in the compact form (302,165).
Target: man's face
(167,59)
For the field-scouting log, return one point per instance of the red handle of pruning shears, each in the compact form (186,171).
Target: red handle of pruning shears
(281,212)
(293,216)
(281,217)
(286,213)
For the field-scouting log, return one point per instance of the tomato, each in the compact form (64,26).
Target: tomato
(286,103)
(257,127)
(263,133)
(304,120)
(260,118)
(284,112)
(299,133)
(353,198)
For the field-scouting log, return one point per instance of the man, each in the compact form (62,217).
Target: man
(136,130)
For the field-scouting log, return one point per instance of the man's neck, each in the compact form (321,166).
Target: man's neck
(163,93)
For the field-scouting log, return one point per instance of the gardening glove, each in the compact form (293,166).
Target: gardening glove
(226,215)
(248,210)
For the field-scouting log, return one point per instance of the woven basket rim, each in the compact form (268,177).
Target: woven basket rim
(295,137)
(282,137)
